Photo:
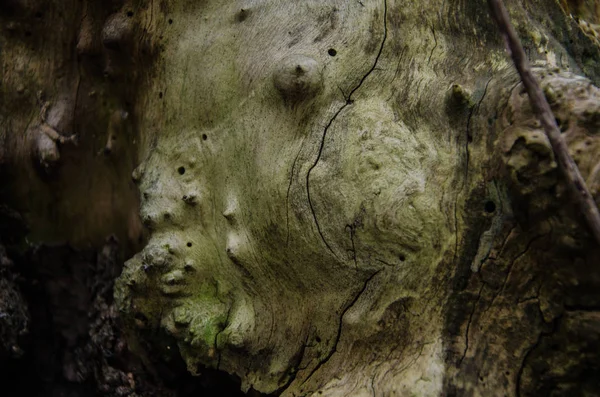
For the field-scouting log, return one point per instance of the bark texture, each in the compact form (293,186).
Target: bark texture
(339,198)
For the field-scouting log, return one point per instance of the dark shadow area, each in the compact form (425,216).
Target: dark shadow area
(61,335)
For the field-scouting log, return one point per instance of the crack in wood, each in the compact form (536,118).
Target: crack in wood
(535,344)
(510,267)
(434,47)
(352,230)
(517,257)
(339,332)
(294,374)
(483,284)
(287,197)
(349,101)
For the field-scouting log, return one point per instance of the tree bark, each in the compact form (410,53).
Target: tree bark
(334,198)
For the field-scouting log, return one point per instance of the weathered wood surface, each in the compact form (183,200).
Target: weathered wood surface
(342,198)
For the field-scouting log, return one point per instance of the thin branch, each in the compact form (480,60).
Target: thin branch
(542,109)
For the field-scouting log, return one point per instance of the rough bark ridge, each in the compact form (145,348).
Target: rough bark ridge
(342,198)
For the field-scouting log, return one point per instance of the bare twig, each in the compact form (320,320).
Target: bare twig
(542,109)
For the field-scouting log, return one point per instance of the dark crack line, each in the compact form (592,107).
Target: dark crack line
(517,257)
(342,91)
(505,241)
(510,267)
(371,384)
(339,332)
(400,58)
(536,296)
(435,45)
(469,324)
(378,53)
(272,326)
(528,299)
(352,231)
(385,263)
(298,362)
(467,160)
(509,96)
(522,366)
(528,353)
(455,256)
(349,101)
(312,209)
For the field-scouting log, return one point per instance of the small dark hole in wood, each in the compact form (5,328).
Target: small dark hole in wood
(160,95)
(170,21)
(181,170)
(402,258)
(318,339)
(242,15)
(204,137)
(332,52)
(489,207)
(129,14)
(189,244)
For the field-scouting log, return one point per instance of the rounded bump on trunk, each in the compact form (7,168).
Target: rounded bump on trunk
(45,153)
(461,96)
(298,78)
(116,32)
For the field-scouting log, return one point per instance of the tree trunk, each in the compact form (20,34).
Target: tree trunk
(334,198)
